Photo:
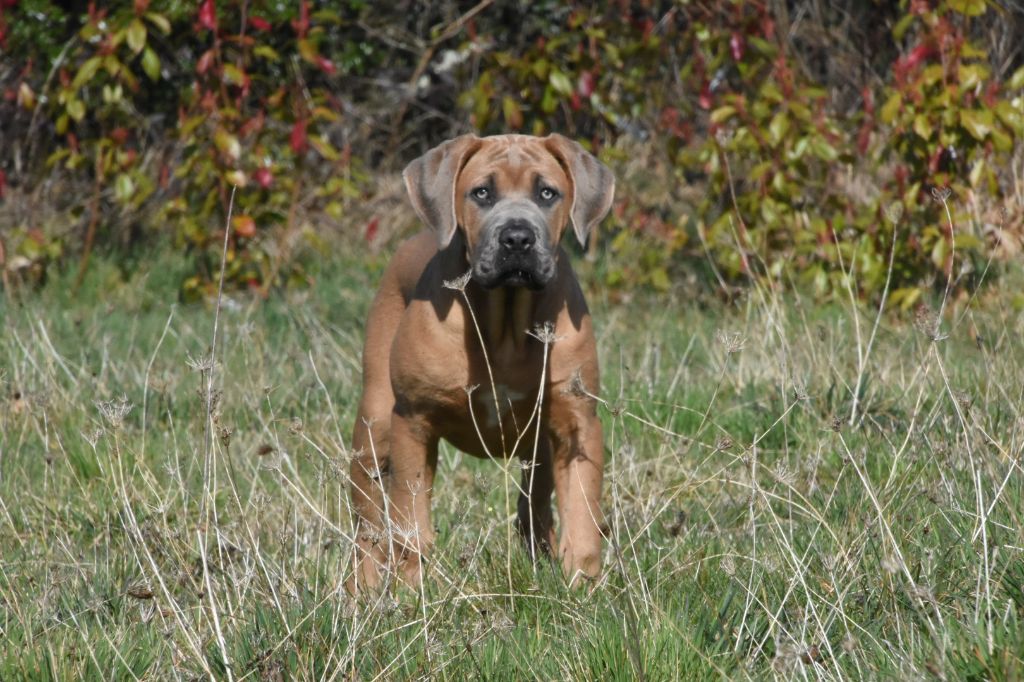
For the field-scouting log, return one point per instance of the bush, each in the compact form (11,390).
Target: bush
(747,146)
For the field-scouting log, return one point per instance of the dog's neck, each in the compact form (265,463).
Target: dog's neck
(509,317)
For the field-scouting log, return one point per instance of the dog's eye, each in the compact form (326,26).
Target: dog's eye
(481,194)
(547,194)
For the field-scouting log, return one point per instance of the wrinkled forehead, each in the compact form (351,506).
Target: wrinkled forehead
(513,161)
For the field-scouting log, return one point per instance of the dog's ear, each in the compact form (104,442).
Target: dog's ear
(430,181)
(593,184)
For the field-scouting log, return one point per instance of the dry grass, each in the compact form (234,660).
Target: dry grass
(761,525)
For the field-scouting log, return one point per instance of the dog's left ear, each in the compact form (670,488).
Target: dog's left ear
(430,181)
(593,184)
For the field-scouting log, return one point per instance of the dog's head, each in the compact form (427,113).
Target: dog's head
(512,196)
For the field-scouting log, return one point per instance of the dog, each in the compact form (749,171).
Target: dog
(479,334)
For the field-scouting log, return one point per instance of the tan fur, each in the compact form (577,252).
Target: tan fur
(422,353)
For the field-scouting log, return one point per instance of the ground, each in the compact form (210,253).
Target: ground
(792,492)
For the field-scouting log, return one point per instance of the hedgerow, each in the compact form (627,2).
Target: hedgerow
(856,149)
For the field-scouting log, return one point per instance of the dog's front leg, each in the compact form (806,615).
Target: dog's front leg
(413,462)
(578,461)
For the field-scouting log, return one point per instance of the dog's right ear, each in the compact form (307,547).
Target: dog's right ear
(430,181)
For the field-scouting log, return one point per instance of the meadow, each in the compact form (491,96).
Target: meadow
(794,491)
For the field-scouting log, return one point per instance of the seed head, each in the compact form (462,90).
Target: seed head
(732,342)
(894,212)
(459,283)
(114,411)
(203,363)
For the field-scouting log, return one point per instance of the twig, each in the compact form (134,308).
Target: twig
(451,30)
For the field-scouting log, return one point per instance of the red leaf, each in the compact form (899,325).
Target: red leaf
(254,124)
(864,137)
(325,64)
(119,135)
(648,27)
(263,177)
(298,136)
(371,228)
(704,100)
(991,93)
(259,23)
(244,226)
(301,25)
(3,183)
(737,45)
(585,85)
(208,15)
(574,101)
(916,56)
(205,62)
(868,95)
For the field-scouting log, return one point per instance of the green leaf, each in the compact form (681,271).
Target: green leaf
(136,35)
(227,144)
(560,82)
(160,21)
(307,50)
(1016,81)
(891,108)
(512,113)
(76,109)
(266,52)
(923,127)
(549,102)
(124,188)
(978,122)
(723,113)
(233,74)
(660,280)
(86,72)
(823,150)
(151,64)
(971,8)
(902,25)
(972,75)
(778,127)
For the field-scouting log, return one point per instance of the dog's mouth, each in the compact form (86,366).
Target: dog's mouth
(518,277)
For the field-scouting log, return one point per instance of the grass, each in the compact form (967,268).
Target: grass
(756,532)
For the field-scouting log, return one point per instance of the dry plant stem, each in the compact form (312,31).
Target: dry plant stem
(490,372)
(735,207)
(848,277)
(501,431)
(209,463)
(888,534)
(286,240)
(943,196)
(546,337)
(208,436)
(863,359)
(94,219)
(145,379)
(985,570)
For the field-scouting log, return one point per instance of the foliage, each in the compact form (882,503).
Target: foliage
(768,160)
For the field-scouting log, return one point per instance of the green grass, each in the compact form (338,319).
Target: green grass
(756,532)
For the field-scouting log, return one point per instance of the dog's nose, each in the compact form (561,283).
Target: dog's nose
(517,238)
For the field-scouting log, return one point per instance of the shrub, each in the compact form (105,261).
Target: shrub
(746,145)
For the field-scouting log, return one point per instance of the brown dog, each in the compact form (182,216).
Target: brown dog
(486,298)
